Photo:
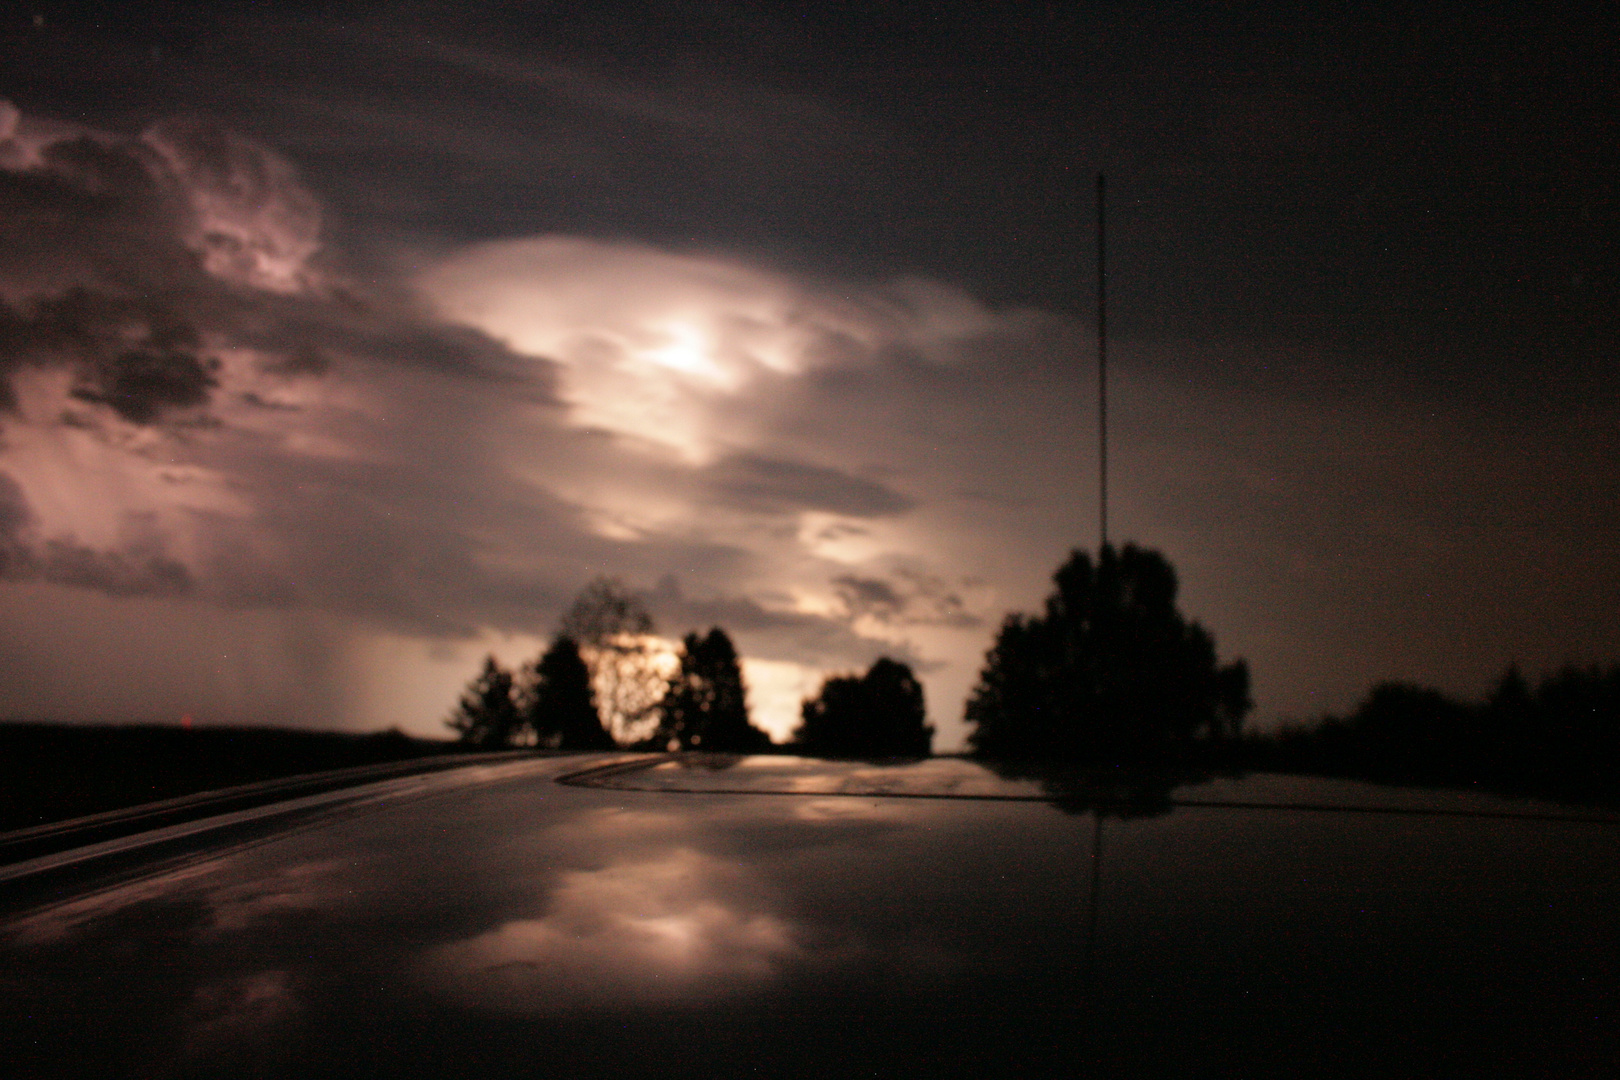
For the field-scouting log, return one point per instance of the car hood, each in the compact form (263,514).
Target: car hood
(703,915)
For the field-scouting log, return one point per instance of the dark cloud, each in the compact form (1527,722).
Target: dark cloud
(775,486)
(137,357)
(142,384)
(303,359)
(259,401)
(674,609)
(906,597)
(88,212)
(14,518)
(104,283)
(141,568)
(868,594)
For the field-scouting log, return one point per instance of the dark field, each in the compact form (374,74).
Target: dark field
(51,772)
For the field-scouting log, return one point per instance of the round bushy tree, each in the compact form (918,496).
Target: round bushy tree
(879,714)
(1111,670)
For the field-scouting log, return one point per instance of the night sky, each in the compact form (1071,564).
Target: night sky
(343,344)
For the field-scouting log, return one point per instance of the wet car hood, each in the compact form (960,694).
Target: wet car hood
(783,917)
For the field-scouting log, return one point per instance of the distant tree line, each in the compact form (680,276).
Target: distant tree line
(549,703)
(598,686)
(1111,673)
(50,772)
(1559,738)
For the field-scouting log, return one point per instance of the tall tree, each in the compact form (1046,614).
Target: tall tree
(487,714)
(614,633)
(705,705)
(558,702)
(879,714)
(1111,670)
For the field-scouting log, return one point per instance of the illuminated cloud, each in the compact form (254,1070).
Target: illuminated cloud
(121,334)
(199,407)
(654,345)
(238,207)
(250,219)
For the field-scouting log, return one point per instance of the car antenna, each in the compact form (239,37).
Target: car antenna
(1102,378)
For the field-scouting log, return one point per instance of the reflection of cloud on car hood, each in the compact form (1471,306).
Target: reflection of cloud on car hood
(681,927)
(304,887)
(226,1018)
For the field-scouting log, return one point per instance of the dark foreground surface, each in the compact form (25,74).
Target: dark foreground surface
(51,772)
(781,917)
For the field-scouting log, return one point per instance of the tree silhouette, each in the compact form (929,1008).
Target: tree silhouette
(558,703)
(879,714)
(487,714)
(1111,671)
(1558,740)
(1576,738)
(614,633)
(603,609)
(705,705)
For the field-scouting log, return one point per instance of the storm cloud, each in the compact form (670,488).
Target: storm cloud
(338,349)
(202,403)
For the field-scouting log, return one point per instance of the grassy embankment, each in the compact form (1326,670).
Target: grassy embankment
(51,772)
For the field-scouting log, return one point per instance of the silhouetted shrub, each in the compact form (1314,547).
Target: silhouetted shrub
(879,714)
(1559,740)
